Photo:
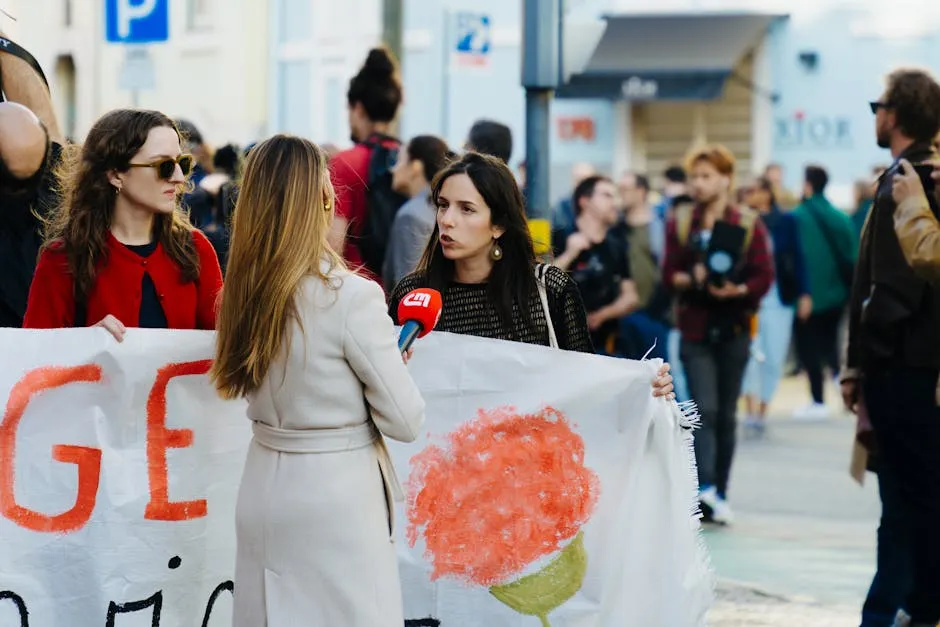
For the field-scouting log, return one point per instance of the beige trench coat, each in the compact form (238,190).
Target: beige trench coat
(314,509)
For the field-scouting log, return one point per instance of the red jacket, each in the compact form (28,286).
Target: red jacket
(757,272)
(117,288)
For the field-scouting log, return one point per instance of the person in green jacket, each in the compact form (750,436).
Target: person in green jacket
(831,247)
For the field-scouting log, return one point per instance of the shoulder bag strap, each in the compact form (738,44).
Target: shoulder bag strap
(10,47)
(540,270)
(827,234)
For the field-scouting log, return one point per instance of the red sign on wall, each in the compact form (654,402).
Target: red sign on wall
(574,128)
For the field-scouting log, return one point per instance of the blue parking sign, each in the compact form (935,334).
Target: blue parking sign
(474,40)
(137,21)
(473,33)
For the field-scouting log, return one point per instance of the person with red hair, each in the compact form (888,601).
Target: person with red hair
(719,266)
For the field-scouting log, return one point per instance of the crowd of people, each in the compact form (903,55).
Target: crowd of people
(136,226)
(99,234)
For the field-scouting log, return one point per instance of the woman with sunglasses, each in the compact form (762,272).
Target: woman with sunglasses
(118,251)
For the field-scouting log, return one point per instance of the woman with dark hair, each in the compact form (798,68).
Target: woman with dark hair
(118,251)
(373,99)
(418,163)
(480,258)
(789,294)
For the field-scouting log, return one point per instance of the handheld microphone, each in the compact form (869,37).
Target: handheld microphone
(418,313)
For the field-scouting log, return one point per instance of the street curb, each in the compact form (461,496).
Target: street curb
(736,585)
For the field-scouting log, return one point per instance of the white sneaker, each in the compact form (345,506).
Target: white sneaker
(813,411)
(722,513)
(709,497)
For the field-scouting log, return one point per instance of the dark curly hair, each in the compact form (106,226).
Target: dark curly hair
(914,96)
(81,222)
(377,86)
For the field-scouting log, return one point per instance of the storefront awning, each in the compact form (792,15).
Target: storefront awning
(666,57)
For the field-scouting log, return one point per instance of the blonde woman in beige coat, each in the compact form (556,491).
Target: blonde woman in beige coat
(311,346)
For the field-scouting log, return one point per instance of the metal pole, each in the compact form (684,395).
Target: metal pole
(392,26)
(541,61)
(538,160)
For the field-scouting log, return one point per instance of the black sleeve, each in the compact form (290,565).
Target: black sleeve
(43,200)
(567,310)
(621,250)
(408,283)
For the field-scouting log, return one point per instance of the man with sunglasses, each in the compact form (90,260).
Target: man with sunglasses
(30,148)
(893,367)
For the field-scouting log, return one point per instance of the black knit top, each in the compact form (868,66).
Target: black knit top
(468,311)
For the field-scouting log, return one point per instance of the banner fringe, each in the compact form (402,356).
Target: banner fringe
(689,419)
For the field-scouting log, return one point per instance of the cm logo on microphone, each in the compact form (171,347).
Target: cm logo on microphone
(417,299)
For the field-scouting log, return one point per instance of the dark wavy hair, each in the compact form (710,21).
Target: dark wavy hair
(915,97)
(512,280)
(377,86)
(81,222)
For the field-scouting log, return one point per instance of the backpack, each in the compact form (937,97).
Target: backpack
(684,224)
(382,202)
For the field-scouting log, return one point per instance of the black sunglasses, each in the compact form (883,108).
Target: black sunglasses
(875,105)
(166,167)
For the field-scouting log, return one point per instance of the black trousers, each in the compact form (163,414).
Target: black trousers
(817,346)
(714,372)
(902,406)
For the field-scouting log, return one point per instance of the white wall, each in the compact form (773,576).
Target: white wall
(316,47)
(215,77)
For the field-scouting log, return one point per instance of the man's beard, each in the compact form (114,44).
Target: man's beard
(705,199)
(883,138)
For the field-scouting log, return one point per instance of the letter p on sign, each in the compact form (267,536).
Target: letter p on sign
(137,21)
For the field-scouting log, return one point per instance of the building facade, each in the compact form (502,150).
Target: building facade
(827,69)
(213,69)
(641,89)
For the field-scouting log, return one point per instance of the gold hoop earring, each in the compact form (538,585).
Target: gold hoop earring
(496,253)
(328,205)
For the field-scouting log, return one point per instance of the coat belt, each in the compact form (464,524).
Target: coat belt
(337,440)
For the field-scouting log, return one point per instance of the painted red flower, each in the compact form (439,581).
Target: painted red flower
(508,490)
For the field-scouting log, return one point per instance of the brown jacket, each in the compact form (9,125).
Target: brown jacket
(919,235)
(894,313)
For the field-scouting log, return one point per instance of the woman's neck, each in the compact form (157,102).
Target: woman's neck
(132,225)
(416,187)
(473,270)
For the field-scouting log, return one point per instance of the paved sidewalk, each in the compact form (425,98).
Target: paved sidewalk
(804,539)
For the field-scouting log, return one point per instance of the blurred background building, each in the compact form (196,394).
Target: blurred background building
(776,81)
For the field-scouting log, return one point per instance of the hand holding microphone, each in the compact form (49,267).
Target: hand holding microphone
(418,313)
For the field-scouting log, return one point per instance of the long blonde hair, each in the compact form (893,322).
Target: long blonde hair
(279,237)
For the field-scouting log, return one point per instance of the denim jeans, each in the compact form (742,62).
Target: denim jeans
(774,331)
(892,581)
(714,372)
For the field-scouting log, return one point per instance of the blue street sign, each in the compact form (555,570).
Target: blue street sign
(137,21)
(473,34)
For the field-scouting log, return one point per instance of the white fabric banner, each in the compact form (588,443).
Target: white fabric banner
(549,488)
